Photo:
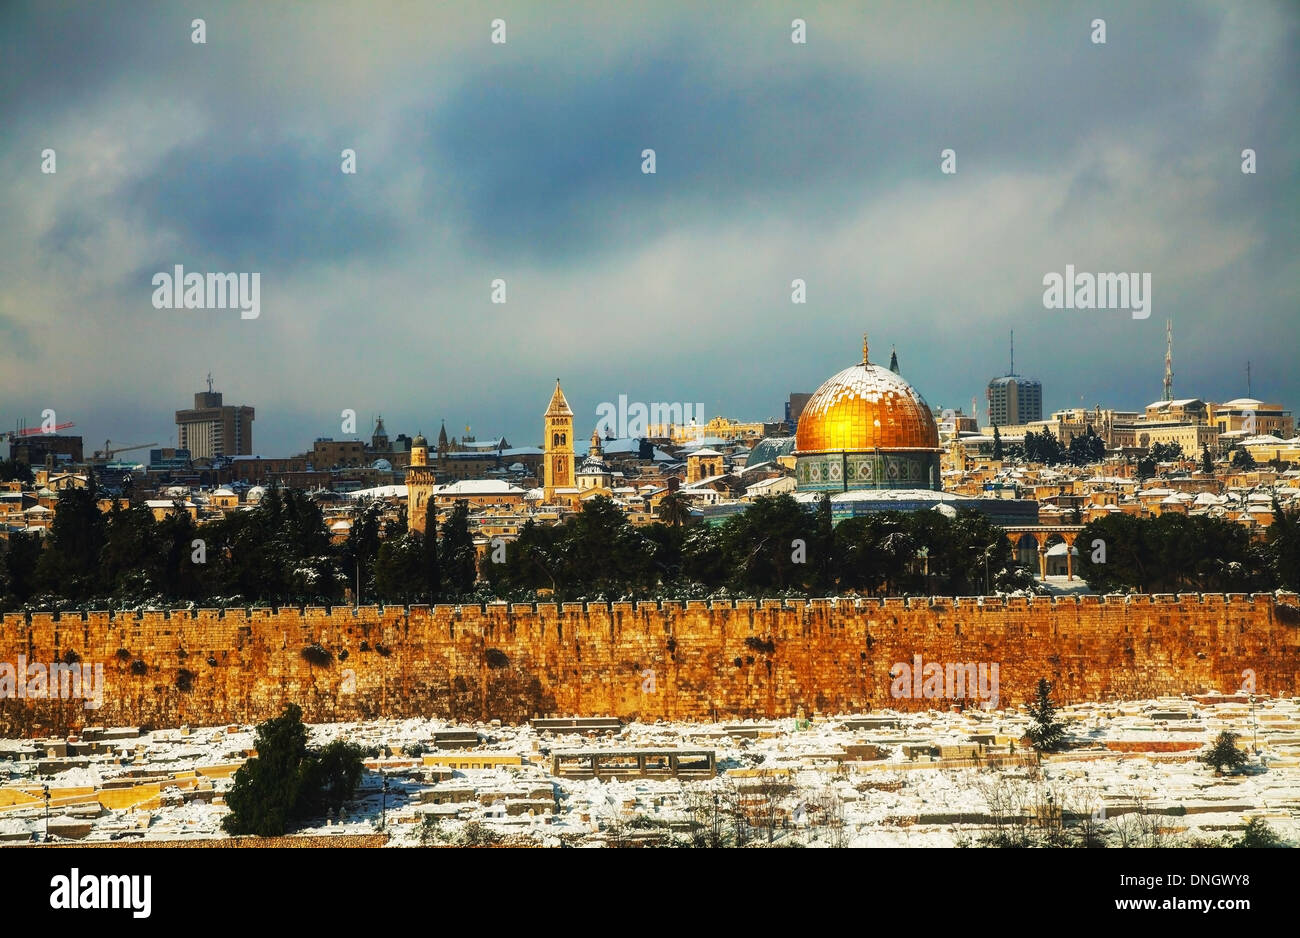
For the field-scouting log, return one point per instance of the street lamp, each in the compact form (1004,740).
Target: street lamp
(383,802)
(46,790)
(987,551)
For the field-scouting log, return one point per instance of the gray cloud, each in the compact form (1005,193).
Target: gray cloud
(775,161)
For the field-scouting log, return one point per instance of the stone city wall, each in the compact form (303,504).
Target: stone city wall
(690,661)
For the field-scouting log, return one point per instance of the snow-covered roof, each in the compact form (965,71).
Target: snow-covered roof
(478,487)
(379,491)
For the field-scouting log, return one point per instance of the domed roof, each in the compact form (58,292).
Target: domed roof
(419,441)
(866,407)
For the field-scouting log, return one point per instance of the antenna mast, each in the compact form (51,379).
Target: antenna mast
(1169,359)
(1013,353)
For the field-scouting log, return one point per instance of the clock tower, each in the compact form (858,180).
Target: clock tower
(557,468)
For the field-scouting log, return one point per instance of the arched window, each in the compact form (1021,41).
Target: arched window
(555,439)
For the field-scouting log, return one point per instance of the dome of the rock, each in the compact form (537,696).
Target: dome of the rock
(866,428)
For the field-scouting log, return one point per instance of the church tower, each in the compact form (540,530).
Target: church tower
(557,469)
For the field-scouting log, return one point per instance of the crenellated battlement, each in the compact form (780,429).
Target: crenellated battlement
(692,660)
(250,614)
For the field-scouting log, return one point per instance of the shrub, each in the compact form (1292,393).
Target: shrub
(123,655)
(317,655)
(184,680)
(496,659)
(71,657)
(138,667)
(767,646)
(474,834)
(1259,834)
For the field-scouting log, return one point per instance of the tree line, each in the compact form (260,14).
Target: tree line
(280,552)
(1174,553)
(277,552)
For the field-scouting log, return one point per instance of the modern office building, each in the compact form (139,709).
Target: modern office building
(211,429)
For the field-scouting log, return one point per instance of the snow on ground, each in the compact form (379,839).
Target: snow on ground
(880,779)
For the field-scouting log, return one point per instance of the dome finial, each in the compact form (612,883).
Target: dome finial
(864,348)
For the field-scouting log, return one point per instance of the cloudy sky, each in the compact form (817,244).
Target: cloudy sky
(522,161)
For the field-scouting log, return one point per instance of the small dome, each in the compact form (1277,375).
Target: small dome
(419,441)
(383,465)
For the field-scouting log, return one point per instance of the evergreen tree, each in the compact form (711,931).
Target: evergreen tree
(401,569)
(459,563)
(1259,834)
(1046,733)
(179,576)
(18,562)
(1224,754)
(70,567)
(286,782)
(997,443)
(267,788)
(130,558)
(825,545)
(11,470)
(432,568)
(1241,459)
(1207,462)
(1284,546)
(361,549)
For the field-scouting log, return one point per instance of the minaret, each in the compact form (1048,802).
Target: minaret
(595,452)
(557,467)
(420,481)
(864,348)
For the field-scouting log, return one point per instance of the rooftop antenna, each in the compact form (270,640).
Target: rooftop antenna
(1248,377)
(1169,359)
(1013,354)
(209,382)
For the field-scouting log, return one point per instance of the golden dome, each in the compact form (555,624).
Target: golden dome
(866,407)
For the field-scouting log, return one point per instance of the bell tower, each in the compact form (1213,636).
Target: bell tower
(557,468)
